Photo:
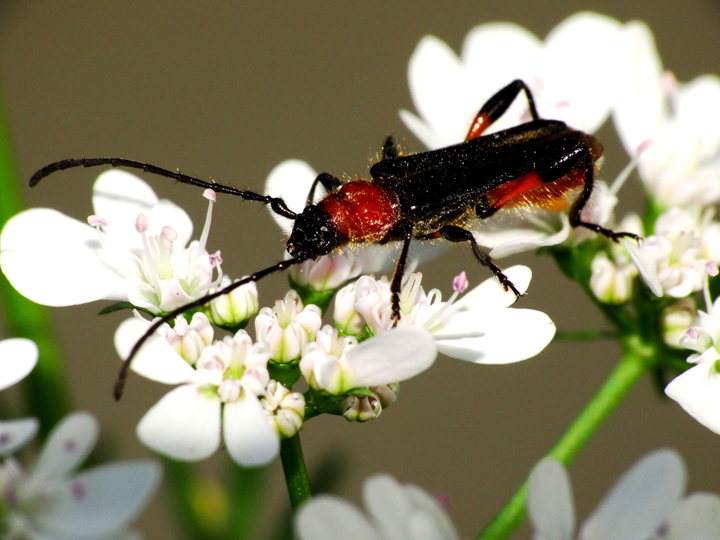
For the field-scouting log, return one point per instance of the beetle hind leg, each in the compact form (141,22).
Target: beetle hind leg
(454,233)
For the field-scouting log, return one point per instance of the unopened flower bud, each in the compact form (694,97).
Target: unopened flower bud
(611,283)
(361,408)
(189,340)
(232,311)
(285,409)
(387,394)
(288,327)
(677,320)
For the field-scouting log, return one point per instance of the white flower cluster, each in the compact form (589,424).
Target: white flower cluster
(52,500)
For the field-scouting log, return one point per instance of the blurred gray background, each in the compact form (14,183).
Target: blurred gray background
(228,90)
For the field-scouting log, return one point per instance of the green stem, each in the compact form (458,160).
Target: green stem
(47,393)
(296,476)
(632,366)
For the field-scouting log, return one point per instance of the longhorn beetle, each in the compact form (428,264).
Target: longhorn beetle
(430,195)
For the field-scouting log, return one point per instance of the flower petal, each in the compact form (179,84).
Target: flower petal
(66,447)
(250,438)
(14,434)
(430,506)
(184,424)
(52,260)
(511,232)
(327,517)
(100,501)
(645,263)
(393,356)
(18,357)
(496,337)
(698,392)
(388,504)
(490,294)
(156,360)
(550,504)
(696,516)
(640,501)
(291,180)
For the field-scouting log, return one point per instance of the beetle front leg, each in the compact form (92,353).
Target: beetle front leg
(329,182)
(496,106)
(390,149)
(403,230)
(454,233)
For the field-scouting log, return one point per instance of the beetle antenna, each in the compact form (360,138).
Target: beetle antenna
(276,203)
(123,373)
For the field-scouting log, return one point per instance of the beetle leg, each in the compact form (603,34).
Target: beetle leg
(496,106)
(328,181)
(390,149)
(403,230)
(454,233)
(583,199)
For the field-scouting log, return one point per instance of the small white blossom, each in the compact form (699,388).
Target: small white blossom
(233,310)
(52,500)
(219,394)
(682,166)
(636,507)
(285,408)
(135,251)
(18,357)
(698,389)
(288,327)
(480,327)
(189,340)
(338,364)
(673,260)
(394,512)
(363,408)
(677,320)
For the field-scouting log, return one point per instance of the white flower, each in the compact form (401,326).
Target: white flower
(682,166)
(337,365)
(394,512)
(480,327)
(673,260)
(677,320)
(611,280)
(635,508)
(285,408)
(18,357)
(698,389)
(233,310)
(287,327)
(52,501)
(219,394)
(137,254)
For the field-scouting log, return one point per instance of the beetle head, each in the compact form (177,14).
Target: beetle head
(313,234)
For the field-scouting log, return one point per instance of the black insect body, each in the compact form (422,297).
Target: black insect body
(430,195)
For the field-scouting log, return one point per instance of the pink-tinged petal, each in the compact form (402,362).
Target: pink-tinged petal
(101,500)
(696,516)
(156,360)
(550,504)
(393,356)
(431,508)
(52,260)
(18,357)
(327,517)
(640,105)
(640,501)
(184,424)
(250,438)
(698,392)
(490,294)
(429,137)
(119,196)
(14,434)
(291,181)
(496,337)
(388,504)
(646,264)
(67,446)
